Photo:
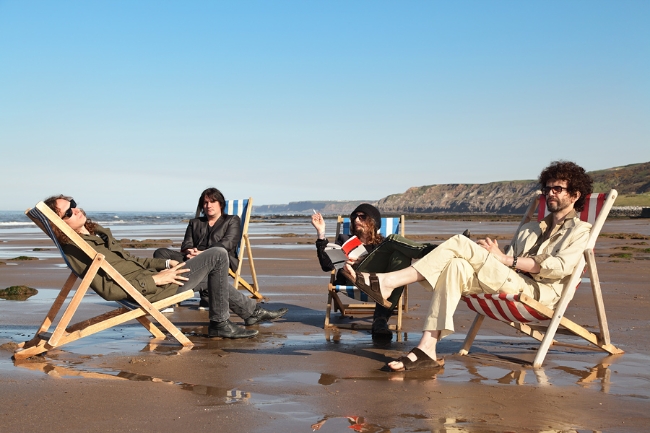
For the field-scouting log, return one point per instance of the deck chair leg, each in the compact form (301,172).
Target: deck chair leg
(471,334)
(399,313)
(54,310)
(149,326)
(328,310)
(75,301)
(251,263)
(405,295)
(560,309)
(598,298)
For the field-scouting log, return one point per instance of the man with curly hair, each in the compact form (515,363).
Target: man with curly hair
(542,258)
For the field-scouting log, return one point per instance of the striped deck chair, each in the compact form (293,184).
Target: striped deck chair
(365,306)
(520,310)
(243,209)
(65,333)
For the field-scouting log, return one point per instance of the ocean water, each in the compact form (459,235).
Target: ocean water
(17,219)
(154,224)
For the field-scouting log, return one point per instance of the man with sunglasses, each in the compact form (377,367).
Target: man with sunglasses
(541,258)
(156,278)
(365,221)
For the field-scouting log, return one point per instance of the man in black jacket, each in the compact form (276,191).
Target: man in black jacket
(214,229)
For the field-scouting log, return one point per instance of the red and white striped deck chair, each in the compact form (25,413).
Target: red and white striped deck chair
(243,209)
(65,333)
(520,310)
(364,306)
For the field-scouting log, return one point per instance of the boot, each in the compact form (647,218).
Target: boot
(227,329)
(262,315)
(380,329)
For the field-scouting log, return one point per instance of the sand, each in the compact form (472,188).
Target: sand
(295,375)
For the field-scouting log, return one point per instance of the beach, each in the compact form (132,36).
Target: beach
(297,377)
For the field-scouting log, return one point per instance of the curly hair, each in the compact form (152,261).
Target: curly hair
(575,176)
(60,236)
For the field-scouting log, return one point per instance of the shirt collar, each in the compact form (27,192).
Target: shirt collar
(569,221)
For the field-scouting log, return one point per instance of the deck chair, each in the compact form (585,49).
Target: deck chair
(243,209)
(364,306)
(520,310)
(43,340)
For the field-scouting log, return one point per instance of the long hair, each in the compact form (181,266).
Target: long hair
(214,195)
(60,236)
(373,236)
(575,176)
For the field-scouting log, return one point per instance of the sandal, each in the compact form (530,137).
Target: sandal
(423,362)
(373,291)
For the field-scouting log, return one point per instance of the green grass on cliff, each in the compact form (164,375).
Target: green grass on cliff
(642,200)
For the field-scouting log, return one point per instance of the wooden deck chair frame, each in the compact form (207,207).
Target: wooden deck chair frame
(65,333)
(532,310)
(243,209)
(360,308)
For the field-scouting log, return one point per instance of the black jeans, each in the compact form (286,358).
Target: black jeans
(209,272)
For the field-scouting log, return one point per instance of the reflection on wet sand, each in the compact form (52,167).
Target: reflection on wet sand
(600,372)
(440,425)
(586,377)
(53,369)
(333,335)
(356,423)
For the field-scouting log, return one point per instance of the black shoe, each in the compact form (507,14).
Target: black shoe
(204,303)
(262,315)
(380,329)
(227,329)
(427,249)
(467,234)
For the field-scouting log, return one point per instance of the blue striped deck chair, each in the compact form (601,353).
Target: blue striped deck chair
(243,209)
(65,333)
(364,306)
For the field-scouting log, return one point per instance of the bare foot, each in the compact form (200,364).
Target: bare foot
(398,366)
(351,275)
(349,272)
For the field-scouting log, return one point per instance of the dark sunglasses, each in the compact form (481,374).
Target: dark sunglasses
(556,189)
(67,214)
(361,216)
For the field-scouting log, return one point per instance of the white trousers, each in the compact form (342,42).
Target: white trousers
(460,267)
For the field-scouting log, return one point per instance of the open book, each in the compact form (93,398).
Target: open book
(352,249)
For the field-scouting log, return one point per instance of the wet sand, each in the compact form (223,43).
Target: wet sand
(295,374)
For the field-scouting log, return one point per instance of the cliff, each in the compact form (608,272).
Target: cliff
(506,197)
(631,181)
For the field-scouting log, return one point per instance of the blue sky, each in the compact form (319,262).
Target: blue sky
(141,105)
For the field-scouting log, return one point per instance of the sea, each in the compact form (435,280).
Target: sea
(154,225)
(162,223)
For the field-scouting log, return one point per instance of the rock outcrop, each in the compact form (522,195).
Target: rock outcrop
(495,197)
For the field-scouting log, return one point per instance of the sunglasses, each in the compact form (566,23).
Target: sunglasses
(67,214)
(556,189)
(361,216)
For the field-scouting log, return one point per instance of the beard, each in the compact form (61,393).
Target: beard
(556,204)
(362,231)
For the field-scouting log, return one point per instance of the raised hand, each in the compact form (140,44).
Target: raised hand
(319,224)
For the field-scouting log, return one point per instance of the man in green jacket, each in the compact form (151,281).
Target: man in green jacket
(157,278)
